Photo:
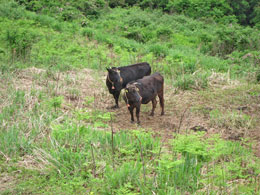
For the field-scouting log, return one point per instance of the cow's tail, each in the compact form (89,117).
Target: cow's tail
(161,94)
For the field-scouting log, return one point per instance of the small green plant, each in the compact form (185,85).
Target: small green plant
(89,100)
(74,93)
(55,102)
(184,82)
(158,50)
(88,32)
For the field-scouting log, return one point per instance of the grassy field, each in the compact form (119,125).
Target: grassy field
(57,135)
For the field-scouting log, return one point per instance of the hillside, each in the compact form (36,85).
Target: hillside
(57,133)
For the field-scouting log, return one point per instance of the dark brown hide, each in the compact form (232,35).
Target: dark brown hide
(142,91)
(118,77)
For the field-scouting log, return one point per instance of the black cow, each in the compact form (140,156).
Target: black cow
(118,77)
(142,91)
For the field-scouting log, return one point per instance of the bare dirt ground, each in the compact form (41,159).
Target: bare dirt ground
(180,116)
(6,181)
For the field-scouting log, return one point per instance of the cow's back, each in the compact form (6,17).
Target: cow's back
(134,72)
(154,81)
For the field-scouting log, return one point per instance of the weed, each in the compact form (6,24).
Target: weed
(55,102)
(233,120)
(74,94)
(89,100)
(20,43)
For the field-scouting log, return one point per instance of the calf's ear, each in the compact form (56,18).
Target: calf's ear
(109,70)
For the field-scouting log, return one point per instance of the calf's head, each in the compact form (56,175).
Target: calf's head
(115,78)
(132,94)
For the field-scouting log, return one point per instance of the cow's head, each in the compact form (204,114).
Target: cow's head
(132,93)
(115,78)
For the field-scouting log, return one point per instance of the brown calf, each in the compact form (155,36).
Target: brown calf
(142,91)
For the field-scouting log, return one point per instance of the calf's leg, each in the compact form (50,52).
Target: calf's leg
(116,96)
(131,110)
(160,95)
(154,103)
(137,113)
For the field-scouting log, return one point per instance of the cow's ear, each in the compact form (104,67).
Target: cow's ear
(109,69)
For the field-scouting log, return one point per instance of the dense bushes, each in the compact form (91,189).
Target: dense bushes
(228,40)
(183,49)
(66,10)
(245,12)
(224,11)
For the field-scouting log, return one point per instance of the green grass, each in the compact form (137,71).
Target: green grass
(48,149)
(193,163)
(174,44)
(54,139)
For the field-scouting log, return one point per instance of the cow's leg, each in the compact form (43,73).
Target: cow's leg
(137,113)
(116,97)
(160,95)
(131,110)
(154,103)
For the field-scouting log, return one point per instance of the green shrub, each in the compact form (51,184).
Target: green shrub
(158,50)
(66,11)
(14,143)
(228,40)
(128,172)
(20,42)
(11,10)
(88,32)
(164,33)
(184,82)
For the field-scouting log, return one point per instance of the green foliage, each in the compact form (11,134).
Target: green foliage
(55,102)
(256,16)
(224,11)
(89,100)
(203,151)
(191,81)
(197,9)
(158,50)
(11,10)
(79,156)
(14,143)
(66,11)
(20,42)
(126,36)
(235,38)
(128,173)
(193,144)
